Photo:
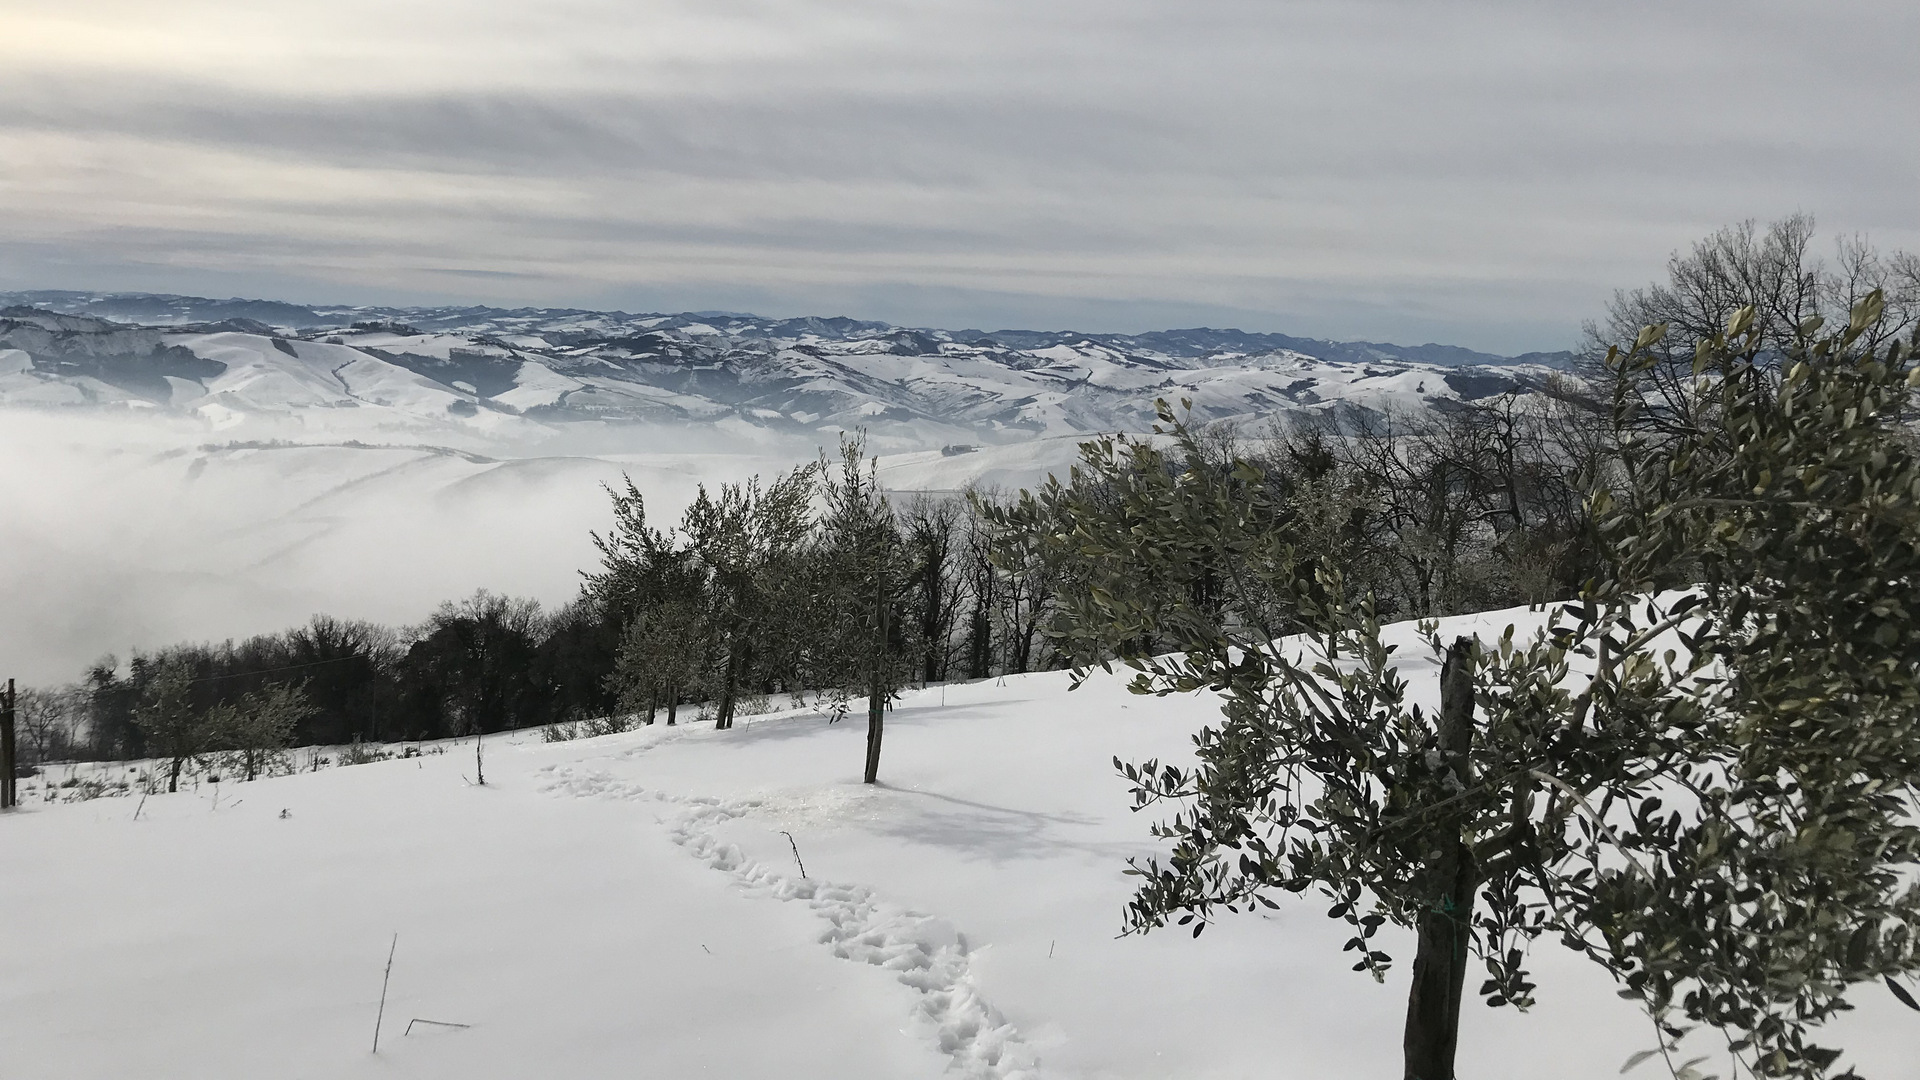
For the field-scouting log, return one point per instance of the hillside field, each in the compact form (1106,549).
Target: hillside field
(631,906)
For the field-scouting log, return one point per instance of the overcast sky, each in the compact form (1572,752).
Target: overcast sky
(1480,174)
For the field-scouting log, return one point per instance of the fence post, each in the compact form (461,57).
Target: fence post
(8,796)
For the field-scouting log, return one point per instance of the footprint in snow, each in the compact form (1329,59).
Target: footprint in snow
(928,954)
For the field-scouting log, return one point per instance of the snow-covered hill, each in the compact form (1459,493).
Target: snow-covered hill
(489,374)
(631,906)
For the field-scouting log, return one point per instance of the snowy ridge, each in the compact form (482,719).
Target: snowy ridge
(528,373)
(927,953)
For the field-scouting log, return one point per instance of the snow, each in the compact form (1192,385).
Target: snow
(260,376)
(536,384)
(912,391)
(630,905)
(1007,468)
(29,389)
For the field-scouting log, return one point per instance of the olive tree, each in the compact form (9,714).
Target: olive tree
(867,572)
(1700,774)
(746,544)
(1773,837)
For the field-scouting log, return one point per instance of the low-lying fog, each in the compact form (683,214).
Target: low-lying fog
(118,534)
(123,533)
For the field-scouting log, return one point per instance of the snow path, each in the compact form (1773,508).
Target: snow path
(928,954)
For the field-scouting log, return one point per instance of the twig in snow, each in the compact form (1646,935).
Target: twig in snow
(137,809)
(384,979)
(796,853)
(435,1023)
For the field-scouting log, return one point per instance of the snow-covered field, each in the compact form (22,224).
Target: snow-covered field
(631,906)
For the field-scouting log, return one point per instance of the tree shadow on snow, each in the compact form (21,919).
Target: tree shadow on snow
(996,833)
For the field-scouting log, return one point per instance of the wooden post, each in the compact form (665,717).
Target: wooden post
(8,758)
(1446,926)
(878,692)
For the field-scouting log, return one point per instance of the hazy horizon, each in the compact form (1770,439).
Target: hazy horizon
(506,304)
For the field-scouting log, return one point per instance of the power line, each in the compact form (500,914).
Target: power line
(273,670)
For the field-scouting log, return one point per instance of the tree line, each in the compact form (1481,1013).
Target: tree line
(485,663)
(816,583)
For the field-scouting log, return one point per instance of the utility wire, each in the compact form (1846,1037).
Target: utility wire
(275,670)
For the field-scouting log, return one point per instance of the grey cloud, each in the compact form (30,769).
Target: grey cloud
(933,140)
(1488,170)
(970,137)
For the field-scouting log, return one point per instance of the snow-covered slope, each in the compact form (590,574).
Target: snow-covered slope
(631,906)
(491,374)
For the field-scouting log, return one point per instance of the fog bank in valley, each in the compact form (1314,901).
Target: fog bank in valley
(119,533)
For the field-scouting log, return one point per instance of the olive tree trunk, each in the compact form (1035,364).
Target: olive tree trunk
(878,691)
(1440,962)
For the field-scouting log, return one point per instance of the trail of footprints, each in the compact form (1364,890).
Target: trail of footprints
(926,953)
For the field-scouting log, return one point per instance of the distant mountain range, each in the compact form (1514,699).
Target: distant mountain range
(528,371)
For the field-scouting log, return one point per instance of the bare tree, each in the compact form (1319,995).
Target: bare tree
(931,529)
(477,656)
(982,587)
(1775,272)
(49,721)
